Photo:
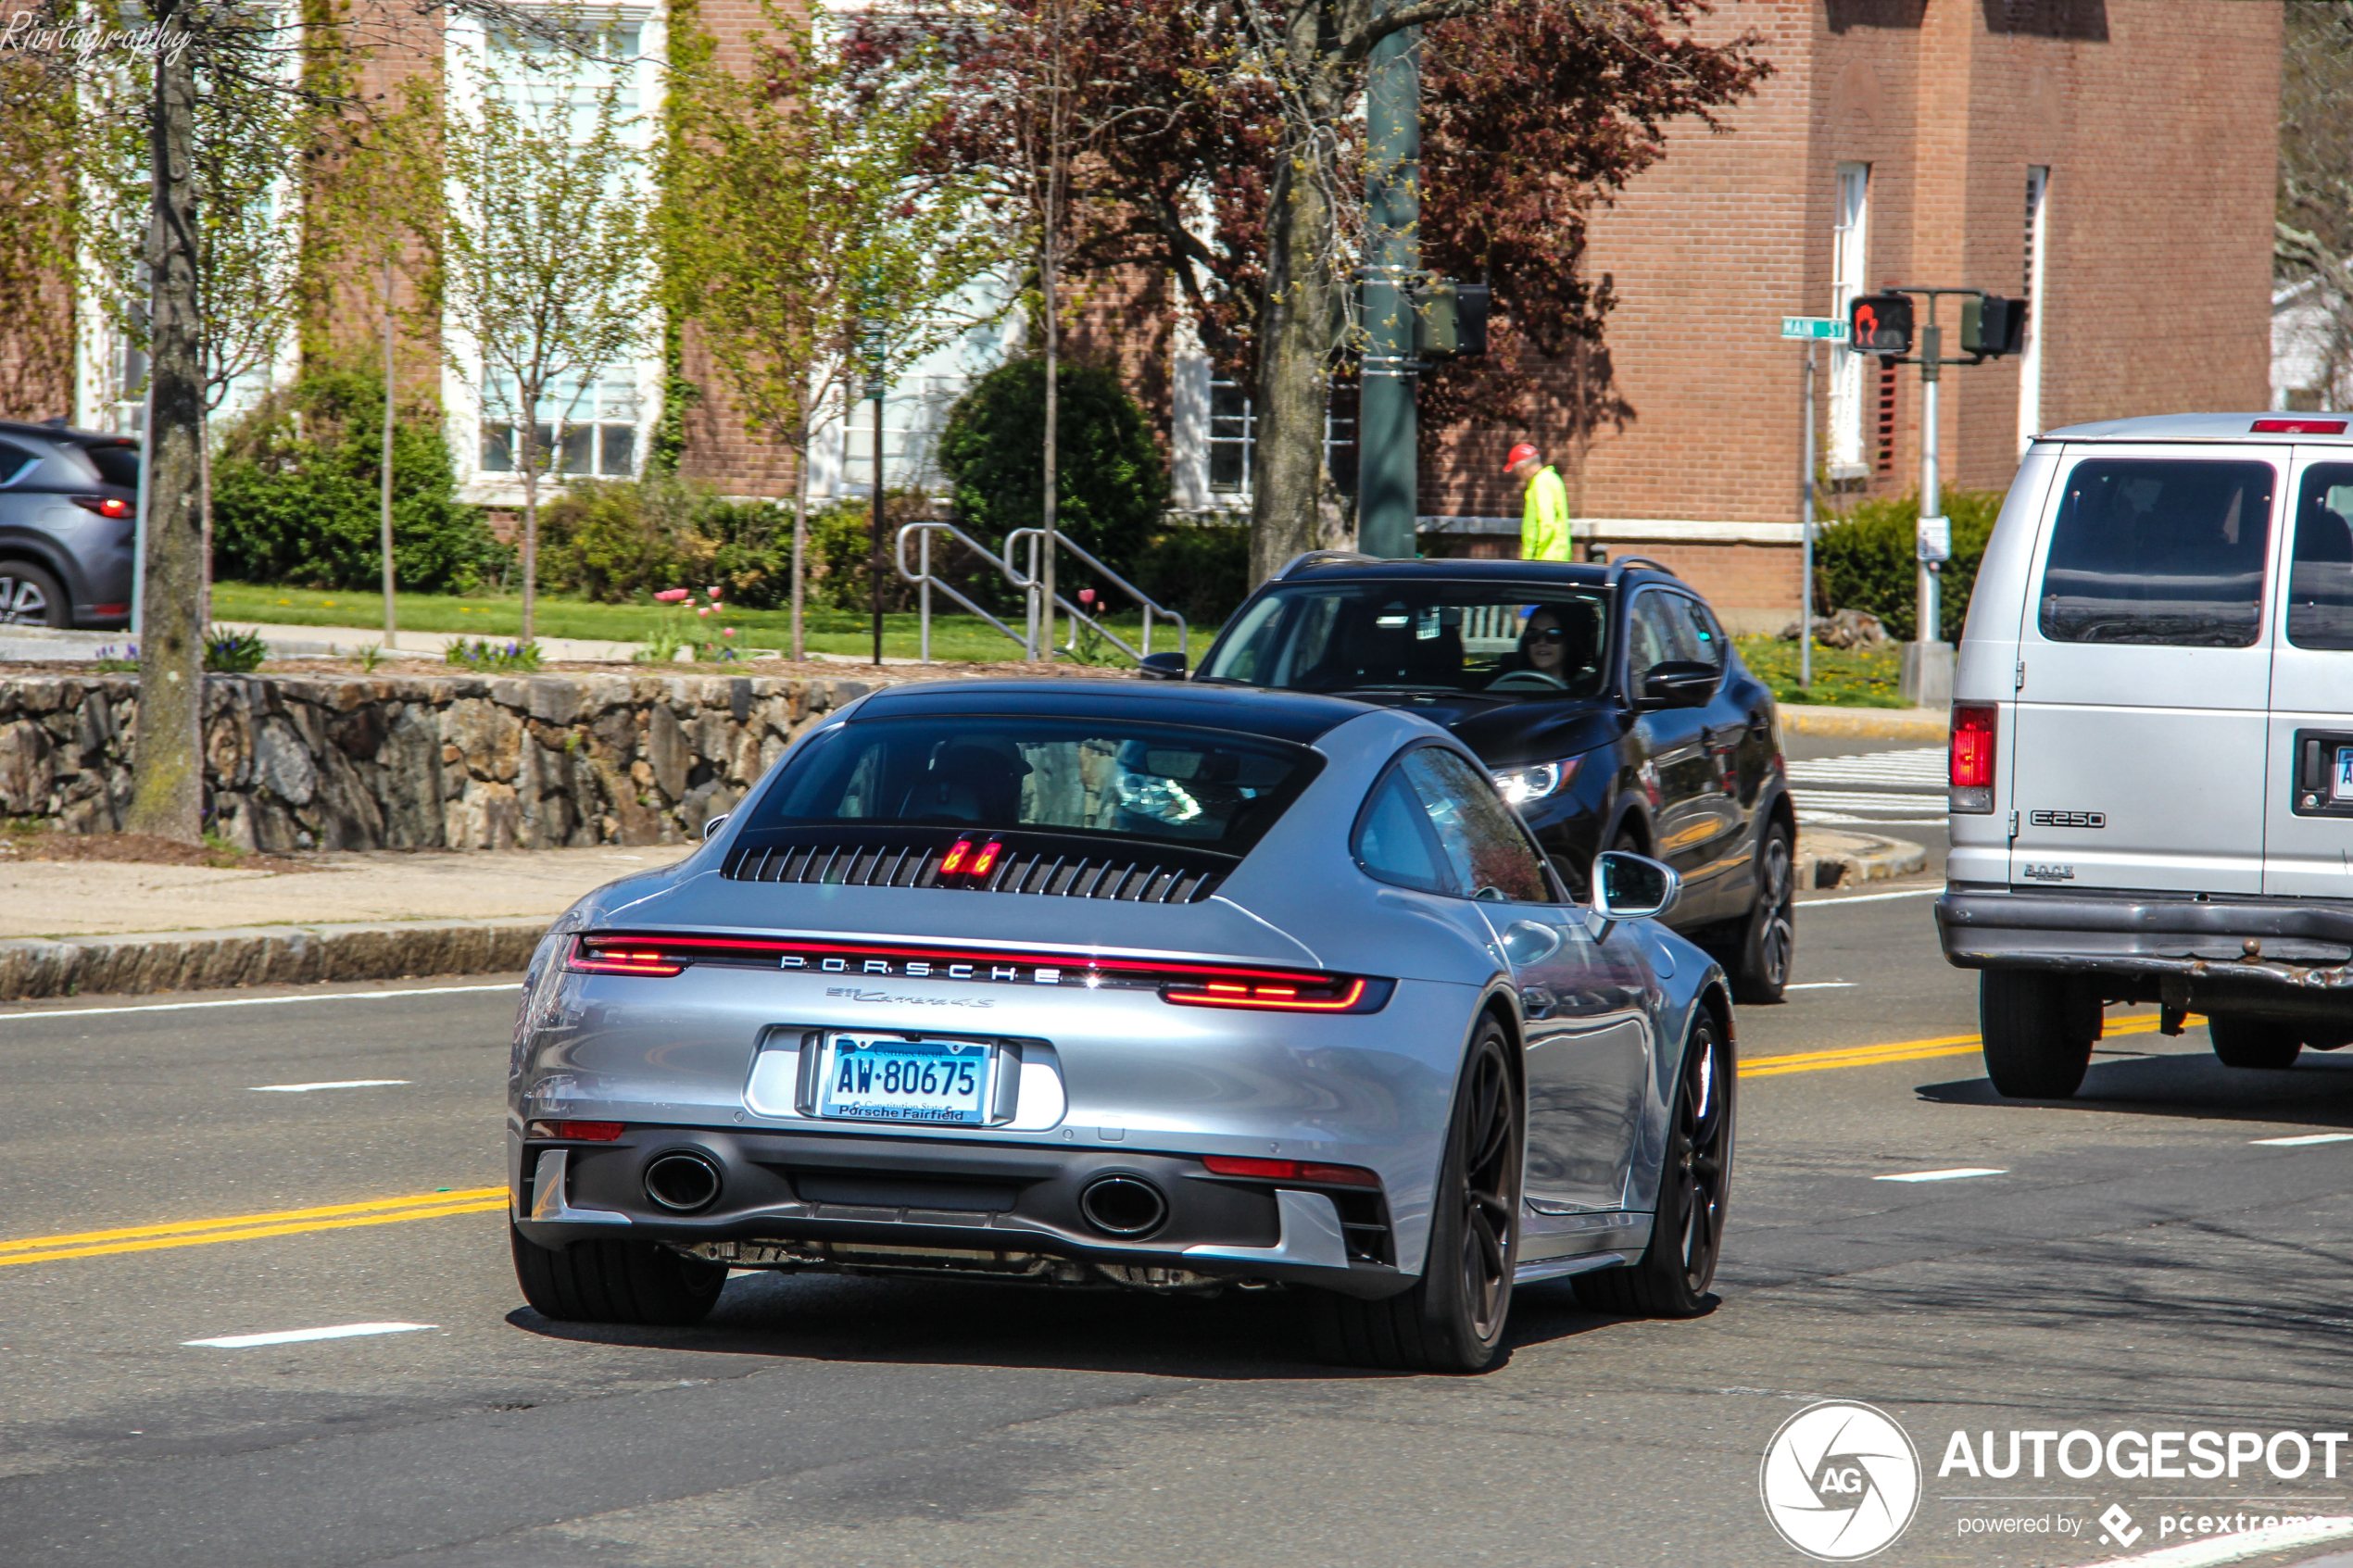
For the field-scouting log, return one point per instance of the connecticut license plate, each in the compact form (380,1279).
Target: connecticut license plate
(891,1078)
(2341,786)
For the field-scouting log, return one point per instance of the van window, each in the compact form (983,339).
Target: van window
(2150,550)
(2319,578)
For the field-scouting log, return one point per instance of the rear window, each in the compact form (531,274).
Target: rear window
(1208,788)
(1512,640)
(118,463)
(14,460)
(2159,551)
(2319,580)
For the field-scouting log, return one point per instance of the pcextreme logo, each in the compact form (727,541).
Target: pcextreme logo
(1840,1481)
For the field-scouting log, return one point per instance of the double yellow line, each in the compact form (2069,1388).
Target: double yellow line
(1909,1050)
(249,1227)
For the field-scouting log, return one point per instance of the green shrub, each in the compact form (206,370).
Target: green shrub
(296,498)
(1865,559)
(484,654)
(233,653)
(1111,480)
(611,541)
(1202,573)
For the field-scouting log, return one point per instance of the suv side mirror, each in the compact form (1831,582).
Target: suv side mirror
(1678,683)
(1162,667)
(1631,886)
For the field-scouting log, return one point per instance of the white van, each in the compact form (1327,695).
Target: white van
(2151,753)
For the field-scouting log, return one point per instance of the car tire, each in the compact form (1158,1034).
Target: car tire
(2254,1041)
(1452,1319)
(2038,1031)
(1671,1278)
(623,1282)
(1768,946)
(30,596)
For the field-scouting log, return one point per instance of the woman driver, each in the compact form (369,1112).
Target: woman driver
(1543,646)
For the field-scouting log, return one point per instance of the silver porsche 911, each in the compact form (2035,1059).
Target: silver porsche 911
(1157,988)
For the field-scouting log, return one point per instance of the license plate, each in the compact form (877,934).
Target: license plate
(2341,787)
(892,1078)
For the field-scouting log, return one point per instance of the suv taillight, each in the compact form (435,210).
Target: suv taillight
(104,506)
(1973,758)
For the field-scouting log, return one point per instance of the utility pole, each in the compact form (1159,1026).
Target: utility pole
(874,544)
(392,626)
(1805,600)
(1387,473)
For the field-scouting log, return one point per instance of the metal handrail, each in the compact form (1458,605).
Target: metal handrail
(1028,583)
(925,581)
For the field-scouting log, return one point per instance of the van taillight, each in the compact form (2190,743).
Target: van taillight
(1973,758)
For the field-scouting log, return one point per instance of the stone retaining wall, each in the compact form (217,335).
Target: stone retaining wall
(460,762)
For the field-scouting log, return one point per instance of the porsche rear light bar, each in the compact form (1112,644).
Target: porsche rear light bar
(1291,1170)
(1185,985)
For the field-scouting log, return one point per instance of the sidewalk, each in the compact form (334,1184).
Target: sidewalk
(73,926)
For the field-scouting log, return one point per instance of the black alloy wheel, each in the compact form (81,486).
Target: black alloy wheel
(1672,1277)
(2254,1041)
(30,596)
(1769,945)
(1452,1318)
(625,1281)
(2039,1030)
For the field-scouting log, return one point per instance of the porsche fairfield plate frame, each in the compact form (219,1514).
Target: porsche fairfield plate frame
(865,1075)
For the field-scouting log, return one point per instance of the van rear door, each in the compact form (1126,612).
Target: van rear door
(2138,760)
(2308,841)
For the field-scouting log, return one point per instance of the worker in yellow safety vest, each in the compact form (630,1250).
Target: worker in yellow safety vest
(1544,529)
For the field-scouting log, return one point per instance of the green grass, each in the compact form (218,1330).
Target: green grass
(953,637)
(1843,677)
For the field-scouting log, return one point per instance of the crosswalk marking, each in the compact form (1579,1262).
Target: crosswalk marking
(1878,787)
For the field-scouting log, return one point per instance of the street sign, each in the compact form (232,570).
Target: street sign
(1829,327)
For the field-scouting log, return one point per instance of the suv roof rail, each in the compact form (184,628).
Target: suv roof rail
(1320,557)
(1624,564)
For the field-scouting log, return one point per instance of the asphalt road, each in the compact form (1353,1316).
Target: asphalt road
(2138,1260)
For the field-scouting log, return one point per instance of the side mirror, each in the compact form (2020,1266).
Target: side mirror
(1630,886)
(1162,667)
(1678,684)
(712,825)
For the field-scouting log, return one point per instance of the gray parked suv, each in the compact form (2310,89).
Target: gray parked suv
(2152,767)
(68,506)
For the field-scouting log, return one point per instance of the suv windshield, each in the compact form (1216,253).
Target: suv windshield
(1509,639)
(1053,775)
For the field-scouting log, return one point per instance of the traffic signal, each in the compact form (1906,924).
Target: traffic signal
(1992,326)
(1879,323)
(1450,319)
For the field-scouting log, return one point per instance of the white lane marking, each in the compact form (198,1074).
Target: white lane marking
(299,1336)
(338,1084)
(2234,1547)
(268,1001)
(2302,1139)
(1822,986)
(1957,1173)
(1858,898)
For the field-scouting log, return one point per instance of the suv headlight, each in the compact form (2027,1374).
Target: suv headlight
(1526,785)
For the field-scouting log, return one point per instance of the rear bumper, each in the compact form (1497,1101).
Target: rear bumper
(2285,953)
(802,1199)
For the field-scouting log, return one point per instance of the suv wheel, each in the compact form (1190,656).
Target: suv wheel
(2039,1032)
(30,596)
(2254,1041)
(1768,946)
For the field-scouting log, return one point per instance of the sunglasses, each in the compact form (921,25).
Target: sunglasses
(1550,634)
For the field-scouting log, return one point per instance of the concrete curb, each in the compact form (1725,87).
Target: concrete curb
(1843,859)
(263,955)
(1866,723)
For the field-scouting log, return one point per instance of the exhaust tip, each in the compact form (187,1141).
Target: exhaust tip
(683,1182)
(1123,1206)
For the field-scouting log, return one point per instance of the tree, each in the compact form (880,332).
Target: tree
(1113,488)
(2314,228)
(547,255)
(792,202)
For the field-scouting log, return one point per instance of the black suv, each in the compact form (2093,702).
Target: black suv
(1610,706)
(68,515)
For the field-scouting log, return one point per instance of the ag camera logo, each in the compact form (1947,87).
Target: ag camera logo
(1840,1481)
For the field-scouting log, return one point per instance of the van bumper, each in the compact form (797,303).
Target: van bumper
(2287,955)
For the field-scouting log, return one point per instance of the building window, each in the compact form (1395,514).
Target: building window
(1849,256)
(595,434)
(2030,358)
(1233,439)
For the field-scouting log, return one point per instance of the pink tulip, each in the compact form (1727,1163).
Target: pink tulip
(672,596)
(728,632)
(1087,597)
(703,611)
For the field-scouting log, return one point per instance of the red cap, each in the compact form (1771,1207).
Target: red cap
(1519,455)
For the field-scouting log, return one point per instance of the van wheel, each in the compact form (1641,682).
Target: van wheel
(1769,945)
(2254,1041)
(2038,1033)
(630,1282)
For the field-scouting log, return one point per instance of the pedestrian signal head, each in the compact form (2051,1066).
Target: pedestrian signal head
(1879,323)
